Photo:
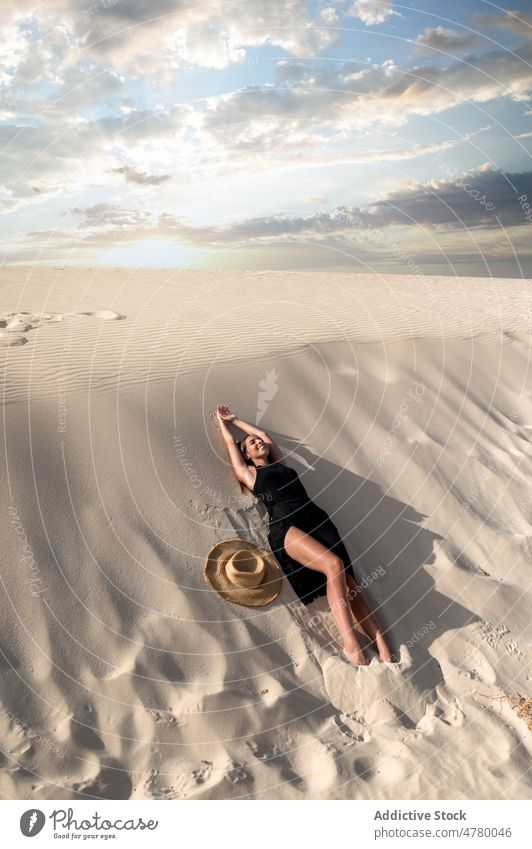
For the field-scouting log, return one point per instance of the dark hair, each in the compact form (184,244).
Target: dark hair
(242,446)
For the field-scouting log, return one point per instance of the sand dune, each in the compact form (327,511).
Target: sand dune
(184,322)
(406,407)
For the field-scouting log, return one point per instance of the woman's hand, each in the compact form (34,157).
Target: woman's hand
(224,413)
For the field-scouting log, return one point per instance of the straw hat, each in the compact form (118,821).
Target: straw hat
(242,572)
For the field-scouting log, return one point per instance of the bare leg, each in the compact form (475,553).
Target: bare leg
(367,621)
(312,554)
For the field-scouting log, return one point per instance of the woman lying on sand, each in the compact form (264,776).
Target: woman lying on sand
(302,536)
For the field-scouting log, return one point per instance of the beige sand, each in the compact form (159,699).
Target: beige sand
(406,406)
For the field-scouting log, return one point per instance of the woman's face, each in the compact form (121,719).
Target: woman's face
(256,448)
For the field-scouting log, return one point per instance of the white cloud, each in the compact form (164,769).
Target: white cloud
(136,36)
(14,48)
(88,133)
(372,12)
(315,100)
(308,120)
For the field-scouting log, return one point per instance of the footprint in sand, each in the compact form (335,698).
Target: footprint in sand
(471,662)
(155,788)
(203,772)
(10,340)
(103,315)
(23,321)
(275,760)
(381,692)
(238,773)
(161,791)
(495,635)
(187,783)
(448,713)
(14,324)
(351,728)
(167,717)
(453,714)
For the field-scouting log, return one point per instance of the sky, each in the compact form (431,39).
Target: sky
(361,136)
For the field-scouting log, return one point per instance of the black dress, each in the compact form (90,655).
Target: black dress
(287,502)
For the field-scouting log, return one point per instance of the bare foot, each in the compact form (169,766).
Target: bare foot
(385,655)
(355,656)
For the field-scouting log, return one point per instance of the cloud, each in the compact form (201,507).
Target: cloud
(319,154)
(477,200)
(471,200)
(265,228)
(289,72)
(304,122)
(14,49)
(343,96)
(132,175)
(82,133)
(136,36)
(397,154)
(445,40)
(116,223)
(302,118)
(518,22)
(106,216)
(44,156)
(72,154)
(372,12)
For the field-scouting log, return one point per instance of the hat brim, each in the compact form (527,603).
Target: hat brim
(214,574)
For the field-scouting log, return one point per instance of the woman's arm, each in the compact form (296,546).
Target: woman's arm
(223,413)
(248,428)
(226,417)
(276,453)
(240,466)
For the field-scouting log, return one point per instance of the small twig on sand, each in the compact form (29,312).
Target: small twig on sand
(521,705)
